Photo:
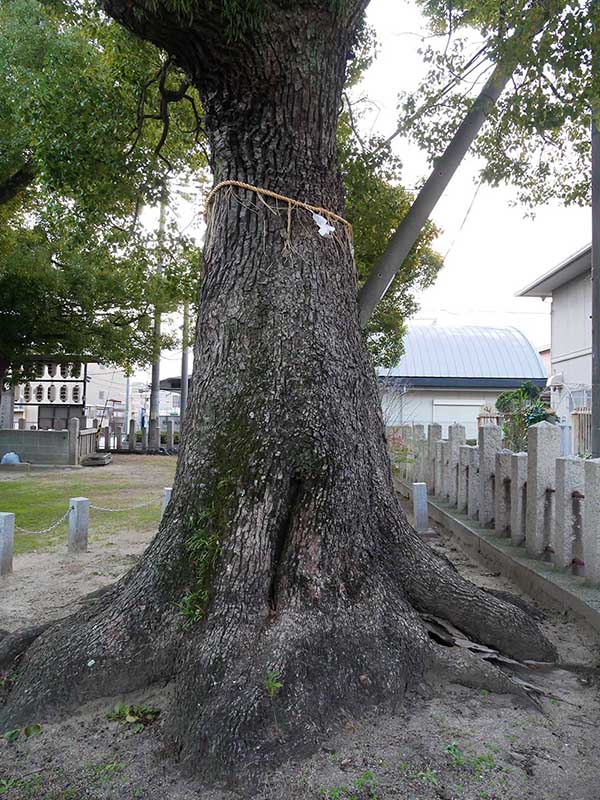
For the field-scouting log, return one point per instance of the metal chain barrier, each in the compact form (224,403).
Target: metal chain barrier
(45,530)
(128,508)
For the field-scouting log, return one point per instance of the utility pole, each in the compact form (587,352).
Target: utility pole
(595,234)
(185,334)
(154,422)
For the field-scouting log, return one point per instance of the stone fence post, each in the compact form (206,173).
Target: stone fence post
(132,442)
(502,494)
(462,500)
(570,482)
(73,440)
(406,433)
(518,497)
(438,468)
(444,477)
(591,520)
(456,438)
(543,448)
(434,434)
(170,434)
(22,424)
(144,440)
(7,536)
(490,441)
(473,484)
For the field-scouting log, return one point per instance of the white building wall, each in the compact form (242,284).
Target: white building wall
(445,406)
(571,352)
(572,331)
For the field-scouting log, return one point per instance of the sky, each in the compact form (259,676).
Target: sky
(492,254)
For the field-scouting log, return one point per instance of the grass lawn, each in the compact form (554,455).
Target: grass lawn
(39,499)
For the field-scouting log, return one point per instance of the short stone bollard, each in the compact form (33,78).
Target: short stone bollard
(79,520)
(518,497)
(7,537)
(165,499)
(420,510)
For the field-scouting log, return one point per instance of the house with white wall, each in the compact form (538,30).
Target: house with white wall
(569,286)
(61,390)
(454,374)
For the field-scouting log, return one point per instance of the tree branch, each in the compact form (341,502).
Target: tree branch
(17,182)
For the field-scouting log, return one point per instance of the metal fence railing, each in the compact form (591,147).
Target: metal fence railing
(582,430)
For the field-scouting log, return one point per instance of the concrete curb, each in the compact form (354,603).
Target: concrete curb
(539,579)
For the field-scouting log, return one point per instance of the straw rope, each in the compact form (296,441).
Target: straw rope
(268,193)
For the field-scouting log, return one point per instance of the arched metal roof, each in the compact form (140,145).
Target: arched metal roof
(469,351)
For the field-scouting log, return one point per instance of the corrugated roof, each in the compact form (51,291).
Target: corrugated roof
(467,352)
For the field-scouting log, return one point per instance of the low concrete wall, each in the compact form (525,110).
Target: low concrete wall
(37,447)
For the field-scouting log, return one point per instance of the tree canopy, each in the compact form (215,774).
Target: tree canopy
(84,107)
(537,135)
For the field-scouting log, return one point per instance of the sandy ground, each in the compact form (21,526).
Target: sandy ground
(45,582)
(447,742)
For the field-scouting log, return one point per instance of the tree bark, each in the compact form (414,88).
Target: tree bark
(284,557)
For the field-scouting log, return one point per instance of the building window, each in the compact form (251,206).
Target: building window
(39,393)
(101,395)
(76,394)
(63,394)
(27,393)
(51,393)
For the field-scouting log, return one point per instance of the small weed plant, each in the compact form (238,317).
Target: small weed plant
(17,733)
(363,788)
(137,717)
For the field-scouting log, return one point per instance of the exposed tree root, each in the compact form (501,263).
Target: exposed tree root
(13,645)
(434,585)
(457,665)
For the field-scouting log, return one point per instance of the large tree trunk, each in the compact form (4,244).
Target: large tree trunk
(283,555)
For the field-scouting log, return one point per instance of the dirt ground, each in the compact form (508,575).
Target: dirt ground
(447,742)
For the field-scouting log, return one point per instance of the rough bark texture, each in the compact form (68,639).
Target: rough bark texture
(284,555)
